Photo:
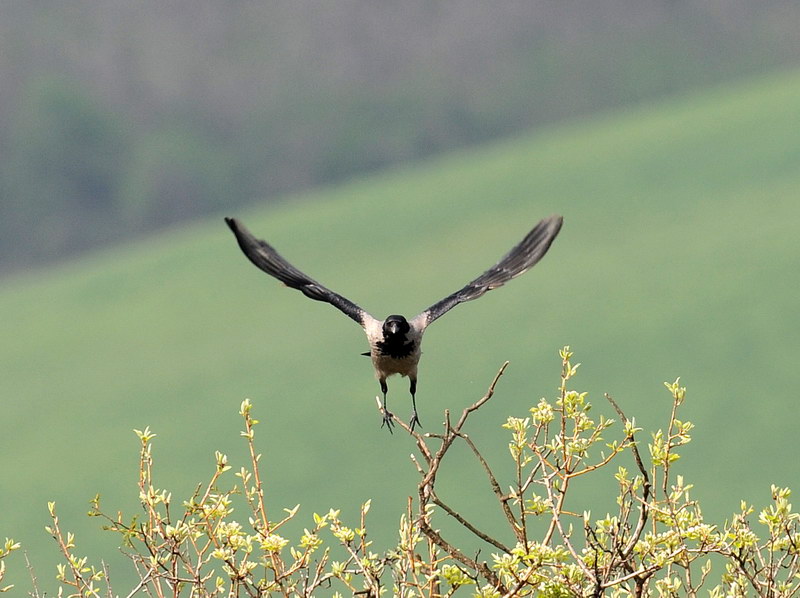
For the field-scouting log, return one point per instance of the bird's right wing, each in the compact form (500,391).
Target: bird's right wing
(263,255)
(519,260)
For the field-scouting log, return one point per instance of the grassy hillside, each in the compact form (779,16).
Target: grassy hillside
(678,258)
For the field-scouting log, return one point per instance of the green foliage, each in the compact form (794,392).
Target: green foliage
(657,542)
(6,549)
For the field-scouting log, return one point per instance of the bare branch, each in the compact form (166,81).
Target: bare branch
(455,553)
(644,504)
(486,538)
(498,492)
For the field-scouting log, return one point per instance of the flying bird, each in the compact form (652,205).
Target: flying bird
(394,343)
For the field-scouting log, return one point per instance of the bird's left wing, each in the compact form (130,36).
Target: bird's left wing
(263,255)
(522,257)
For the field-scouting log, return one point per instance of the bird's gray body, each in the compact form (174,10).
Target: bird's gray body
(386,364)
(395,343)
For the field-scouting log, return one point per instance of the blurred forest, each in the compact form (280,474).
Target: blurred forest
(119,117)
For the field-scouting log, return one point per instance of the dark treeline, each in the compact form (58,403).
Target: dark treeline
(118,117)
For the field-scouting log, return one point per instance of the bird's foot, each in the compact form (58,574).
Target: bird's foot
(388,420)
(415,421)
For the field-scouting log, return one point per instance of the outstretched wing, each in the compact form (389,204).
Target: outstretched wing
(263,255)
(517,261)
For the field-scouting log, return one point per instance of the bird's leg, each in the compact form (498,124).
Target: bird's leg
(387,415)
(414,417)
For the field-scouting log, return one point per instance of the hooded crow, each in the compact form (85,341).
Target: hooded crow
(394,343)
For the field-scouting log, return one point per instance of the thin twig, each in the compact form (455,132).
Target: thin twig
(427,495)
(645,503)
(142,582)
(498,492)
(477,405)
(485,537)
(455,553)
(419,438)
(32,573)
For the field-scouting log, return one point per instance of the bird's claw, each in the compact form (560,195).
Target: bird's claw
(388,418)
(415,421)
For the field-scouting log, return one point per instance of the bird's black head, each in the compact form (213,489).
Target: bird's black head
(395,326)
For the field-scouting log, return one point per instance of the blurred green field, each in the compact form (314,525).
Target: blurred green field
(678,257)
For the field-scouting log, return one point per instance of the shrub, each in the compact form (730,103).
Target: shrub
(656,542)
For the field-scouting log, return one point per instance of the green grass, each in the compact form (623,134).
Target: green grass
(679,257)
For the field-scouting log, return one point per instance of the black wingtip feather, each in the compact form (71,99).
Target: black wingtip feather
(238,229)
(522,257)
(266,258)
